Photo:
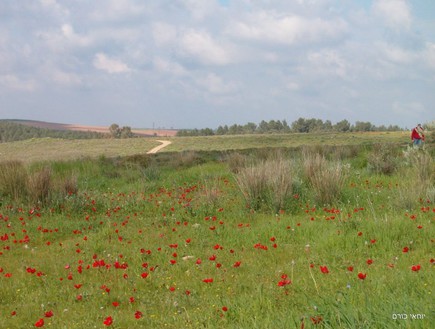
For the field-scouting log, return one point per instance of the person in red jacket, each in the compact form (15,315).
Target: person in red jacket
(417,135)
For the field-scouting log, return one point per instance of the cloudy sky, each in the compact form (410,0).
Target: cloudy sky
(205,63)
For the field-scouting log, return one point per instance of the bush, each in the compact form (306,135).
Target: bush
(268,183)
(383,159)
(326,178)
(39,186)
(13,180)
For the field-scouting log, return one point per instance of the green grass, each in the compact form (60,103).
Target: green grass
(134,215)
(49,149)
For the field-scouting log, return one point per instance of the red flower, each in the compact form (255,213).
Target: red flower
(39,323)
(138,314)
(224,308)
(405,249)
(362,276)
(369,261)
(350,268)
(208,280)
(316,319)
(283,283)
(108,321)
(48,314)
(324,269)
(172,288)
(416,268)
(144,275)
(116,304)
(237,264)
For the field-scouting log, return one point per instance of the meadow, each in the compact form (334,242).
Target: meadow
(298,231)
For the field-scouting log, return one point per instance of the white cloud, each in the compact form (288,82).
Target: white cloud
(201,9)
(172,68)
(13,82)
(201,46)
(112,66)
(397,54)
(117,10)
(216,85)
(64,78)
(163,33)
(286,28)
(327,62)
(395,13)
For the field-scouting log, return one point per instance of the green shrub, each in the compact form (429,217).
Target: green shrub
(267,183)
(383,159)
(326,178)
(13,180)
(39,186)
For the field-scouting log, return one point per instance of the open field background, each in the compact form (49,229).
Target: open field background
(261,231)
(48,149)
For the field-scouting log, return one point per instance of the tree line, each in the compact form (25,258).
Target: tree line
(11,131)
(301,125)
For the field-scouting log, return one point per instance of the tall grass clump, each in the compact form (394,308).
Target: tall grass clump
(13,179)
(39,186)
(267,183)
(419,176)
(326,178)
(383,159)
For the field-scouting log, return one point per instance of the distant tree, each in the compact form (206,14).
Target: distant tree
(249,128)
(115,131)
(342,126)
(222,130)
(363,126)
(125,132)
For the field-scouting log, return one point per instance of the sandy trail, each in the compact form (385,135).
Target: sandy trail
(159,147)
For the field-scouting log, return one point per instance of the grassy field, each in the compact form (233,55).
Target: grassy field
(337,236)
(48,149)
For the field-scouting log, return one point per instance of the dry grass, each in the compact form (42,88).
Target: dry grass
(39,186)
(13,179)
(48,149)
(267,183)
(326,178)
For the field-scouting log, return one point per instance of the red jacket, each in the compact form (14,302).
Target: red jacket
(416,135)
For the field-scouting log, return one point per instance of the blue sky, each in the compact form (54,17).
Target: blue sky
(196,64)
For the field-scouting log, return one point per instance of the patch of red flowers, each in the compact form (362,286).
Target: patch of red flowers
(415,268)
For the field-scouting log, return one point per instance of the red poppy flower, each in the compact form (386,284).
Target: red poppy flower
(362,276)
(350,268)
(138,314)
(416,268)
(369,261)
(283,283)
(324,269)
(48,314)
(108,321)
(224,308)
(405,249)
(39,323)
(208,280)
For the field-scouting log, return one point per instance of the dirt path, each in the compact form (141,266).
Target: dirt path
(158,148)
